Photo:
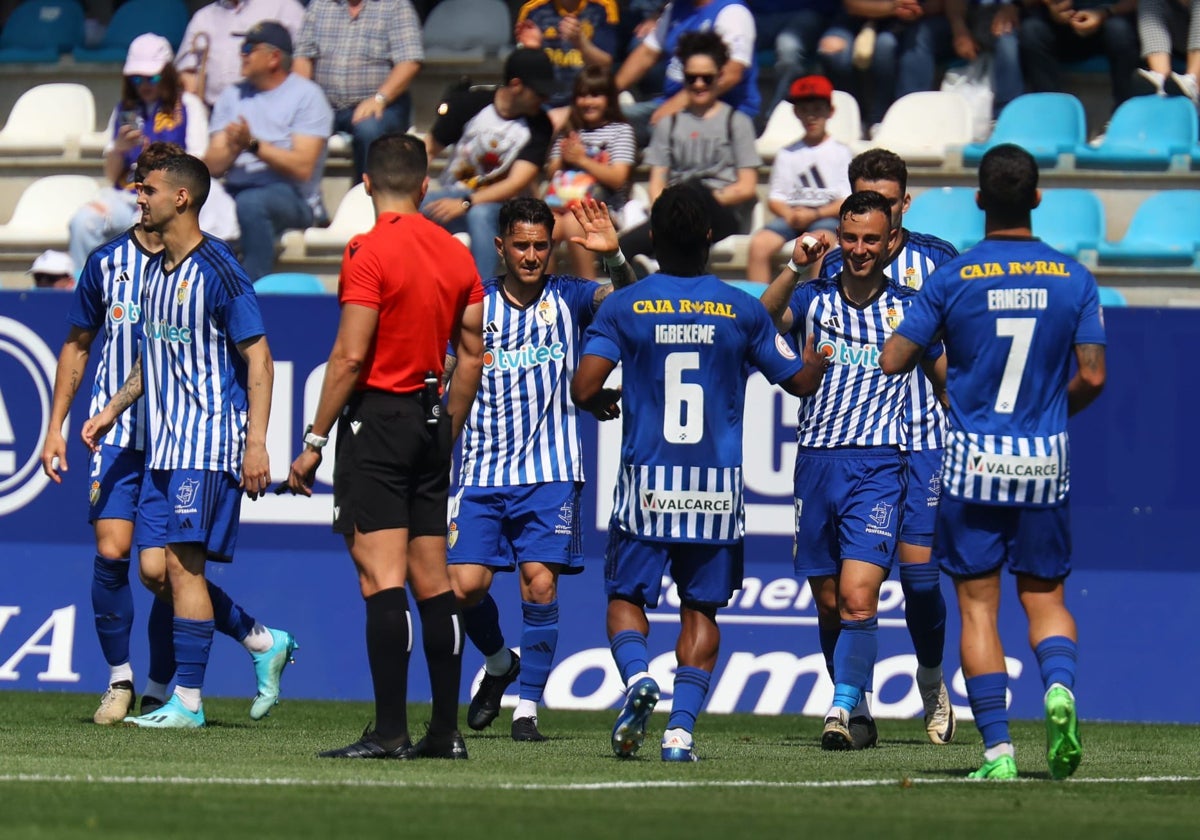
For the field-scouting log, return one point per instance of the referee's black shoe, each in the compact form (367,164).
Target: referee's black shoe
(370,745)
(485,705)
(446,745)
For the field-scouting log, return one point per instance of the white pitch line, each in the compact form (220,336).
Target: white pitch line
(576,786)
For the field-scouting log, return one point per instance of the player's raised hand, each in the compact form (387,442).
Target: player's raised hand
(54,455)
(256,470)
(304,471)
(96,428)
(600,236)
(607,404)
(810,247)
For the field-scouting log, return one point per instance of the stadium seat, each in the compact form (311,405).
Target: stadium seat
(43,211)
(784,129)
(167,18)
(755,289)
(38,30)
(465,30)
(354,215)
(922,126)
(46,117)
(948,212)
(1111,297)
(292,283)
(1070,220)
(1164,231)
(1044,124)
(1146,132)
(734,248)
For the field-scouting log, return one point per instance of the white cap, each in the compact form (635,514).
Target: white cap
(148,55)
(53,262)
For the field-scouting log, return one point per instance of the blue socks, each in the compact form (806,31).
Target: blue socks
(988,694)
(482,623)
(924,611)
(854,661)
(629,652)
(828,634)
(539,640)
(112,603)
(228,617)
(193,639)
(1056,656)
(161,634)
(691,687)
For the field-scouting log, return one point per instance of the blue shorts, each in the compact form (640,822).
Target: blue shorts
(707,574)
(115,482)
(500,527)
(921,497)
(848,504)
(973,539)
(779,226)
(189,506)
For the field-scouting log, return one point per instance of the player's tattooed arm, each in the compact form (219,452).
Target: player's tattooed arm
(1088,381)
(97,427)
(448,367)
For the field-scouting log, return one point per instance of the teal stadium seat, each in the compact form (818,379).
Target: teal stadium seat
(1070,220)
(948,212)
(1164,231)
(167,18)
(293,283)
(1044,124)
(1146,133)
(39,30)
(753,289)
(1111,297)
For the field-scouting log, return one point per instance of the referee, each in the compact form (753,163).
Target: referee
(406,289)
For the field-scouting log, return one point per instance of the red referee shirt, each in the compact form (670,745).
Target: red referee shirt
(420,279)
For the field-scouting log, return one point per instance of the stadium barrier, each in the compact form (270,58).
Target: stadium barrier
(1134,517)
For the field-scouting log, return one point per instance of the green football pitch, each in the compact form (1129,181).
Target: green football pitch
(63,777)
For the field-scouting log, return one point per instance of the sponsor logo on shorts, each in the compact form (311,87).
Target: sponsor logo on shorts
(94,493)
(1013,466)
(935,489)
(452,534)
(686,501)
(880,520)
(187,491)
(566,520)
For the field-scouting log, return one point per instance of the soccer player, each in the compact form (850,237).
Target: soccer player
(914,258)
(407,289)
(522,469)
(1012,313)
(108,299)
(849,475)
(686,340)
(207,373)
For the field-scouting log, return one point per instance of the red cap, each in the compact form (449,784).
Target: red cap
(811,87)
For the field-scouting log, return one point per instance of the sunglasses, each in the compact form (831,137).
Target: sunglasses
(248,48)
(141,80)
(707,78)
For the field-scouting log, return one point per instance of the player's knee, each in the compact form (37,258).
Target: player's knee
(112,548)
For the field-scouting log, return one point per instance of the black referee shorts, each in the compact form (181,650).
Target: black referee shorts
(392,469)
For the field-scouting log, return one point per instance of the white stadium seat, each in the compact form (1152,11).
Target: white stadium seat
(355,214)
(48,117)
(783,128)
(922,126)
(44,210)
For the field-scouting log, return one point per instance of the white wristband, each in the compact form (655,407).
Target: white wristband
(614,262)
(795,269)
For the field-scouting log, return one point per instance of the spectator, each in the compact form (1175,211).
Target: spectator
(268,141)
(53,270)
(594,159)
(1061,30)
(152,107)
(575,34)
(500,140)
(976,27)
(1162,26)
(708,144)
(209,59)
(364,54)
(808,178)
(792,28)
(738,83)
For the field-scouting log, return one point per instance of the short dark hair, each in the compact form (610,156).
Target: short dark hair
(153,154)
(531,211)
(186,171)
(681,224)
(397,164)
(879,165)
(1008,181)
(866,201)
(707,43)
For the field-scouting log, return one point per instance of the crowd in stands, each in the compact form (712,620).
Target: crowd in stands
(257,87)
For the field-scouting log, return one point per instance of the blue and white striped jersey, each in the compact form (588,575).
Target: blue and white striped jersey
(686,344)
(1010,312)
(856,404)
(109,297)
(917,258)
(523,427)
(194,316)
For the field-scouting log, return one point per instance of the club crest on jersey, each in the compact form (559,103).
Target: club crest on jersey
(911,279)
(181,295)
(94,493)
(893,318)
(546,313)
(452,534)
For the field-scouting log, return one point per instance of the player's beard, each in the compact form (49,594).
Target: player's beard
(514,271)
